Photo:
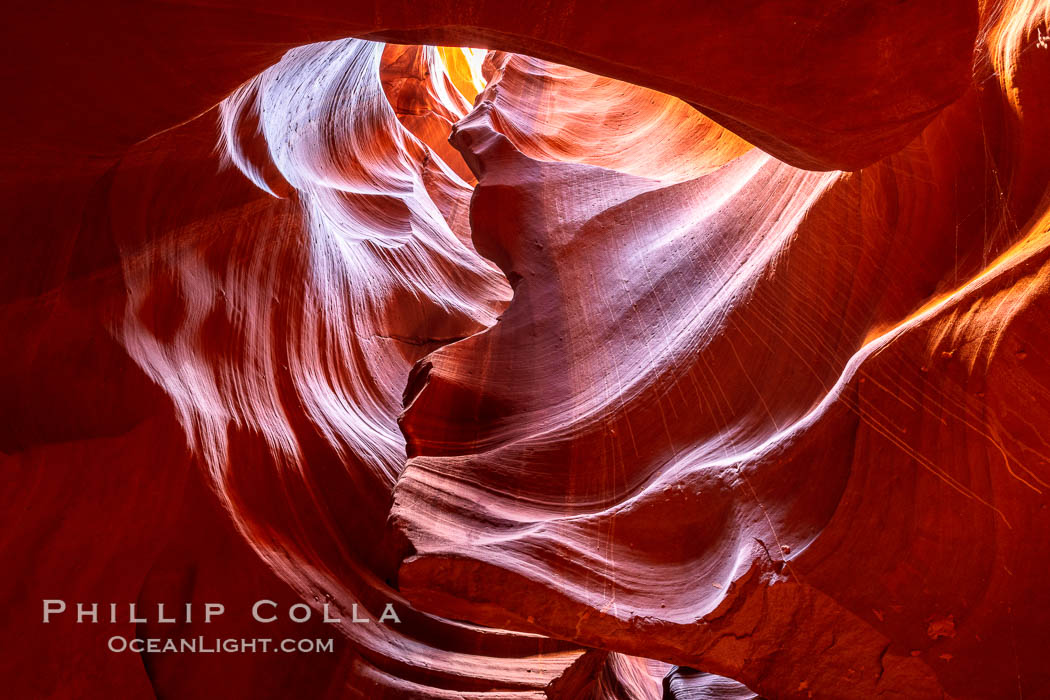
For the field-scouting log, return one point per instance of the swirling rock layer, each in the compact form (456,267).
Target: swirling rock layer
(721,381)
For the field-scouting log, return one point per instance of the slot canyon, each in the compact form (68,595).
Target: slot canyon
(567,351)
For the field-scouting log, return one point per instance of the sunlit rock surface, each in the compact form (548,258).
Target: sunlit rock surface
(724,381)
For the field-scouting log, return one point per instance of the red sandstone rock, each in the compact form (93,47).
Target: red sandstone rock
(779,425)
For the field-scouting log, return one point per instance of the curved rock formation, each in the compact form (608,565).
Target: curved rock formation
(825,86)
(721,381)
(746,445)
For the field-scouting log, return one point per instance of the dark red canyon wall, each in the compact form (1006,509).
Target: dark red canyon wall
(713,360)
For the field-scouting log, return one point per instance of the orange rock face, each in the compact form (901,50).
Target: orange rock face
(640,352)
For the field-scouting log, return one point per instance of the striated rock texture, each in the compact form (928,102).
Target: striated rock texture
(705,362)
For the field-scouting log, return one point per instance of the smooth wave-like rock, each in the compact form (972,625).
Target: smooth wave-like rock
(327,297)
(752,432)
(733,367)
(819,85)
